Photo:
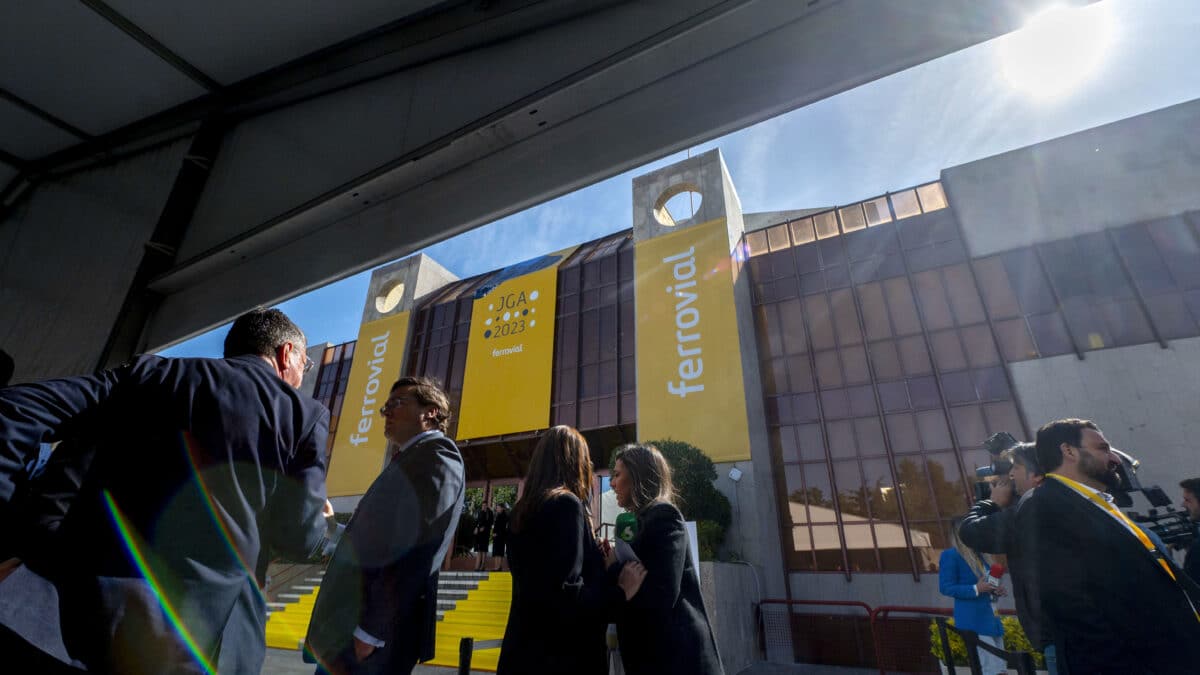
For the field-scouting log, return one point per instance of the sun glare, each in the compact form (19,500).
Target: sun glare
(1057,49)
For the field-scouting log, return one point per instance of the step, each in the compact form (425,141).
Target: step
(445,593)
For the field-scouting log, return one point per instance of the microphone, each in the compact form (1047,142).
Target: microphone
(626,528)
(994,574)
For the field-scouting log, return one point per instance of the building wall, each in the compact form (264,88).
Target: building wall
(1143,397)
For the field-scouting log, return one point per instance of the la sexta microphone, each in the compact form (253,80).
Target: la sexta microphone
(626,526)
(995,573)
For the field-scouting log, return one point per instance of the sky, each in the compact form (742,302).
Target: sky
(1070,71)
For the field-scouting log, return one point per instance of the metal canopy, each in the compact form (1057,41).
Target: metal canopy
(335,136)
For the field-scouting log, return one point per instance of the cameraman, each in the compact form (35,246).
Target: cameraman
(989,527)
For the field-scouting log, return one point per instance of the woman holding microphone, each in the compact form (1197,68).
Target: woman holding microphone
(664,628)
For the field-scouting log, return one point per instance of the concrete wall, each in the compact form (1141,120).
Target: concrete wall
(1144,398)
(1136,169)
(731,595)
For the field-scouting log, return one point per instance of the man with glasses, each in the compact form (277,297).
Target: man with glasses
(377,609)
(195,462)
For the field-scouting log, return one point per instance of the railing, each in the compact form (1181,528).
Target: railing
(1022,661)
(466,649)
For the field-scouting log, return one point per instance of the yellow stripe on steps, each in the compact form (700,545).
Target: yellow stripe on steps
(287,627)
(482,616)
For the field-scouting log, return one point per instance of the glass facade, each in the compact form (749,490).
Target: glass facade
(331,384)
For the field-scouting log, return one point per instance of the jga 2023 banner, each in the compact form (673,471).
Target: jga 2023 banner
(510,352)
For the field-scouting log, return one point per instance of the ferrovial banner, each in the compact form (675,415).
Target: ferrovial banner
(510,352)
(689,368)
(359,446)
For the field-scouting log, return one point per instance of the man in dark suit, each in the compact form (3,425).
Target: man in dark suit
(1113,601)
(192,460)
(377,607)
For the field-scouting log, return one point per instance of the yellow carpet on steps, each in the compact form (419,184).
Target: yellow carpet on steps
(482,616)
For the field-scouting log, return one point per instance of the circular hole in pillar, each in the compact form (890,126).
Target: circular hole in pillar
(389,297)
(677,204)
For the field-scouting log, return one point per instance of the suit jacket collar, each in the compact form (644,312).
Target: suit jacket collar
(423,436)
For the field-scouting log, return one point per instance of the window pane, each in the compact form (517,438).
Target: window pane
(932,197)
(1087,325)
(799,374)
(1125,322)
(818,494)
(827,545)
(854,360)
(893,396)
(886,360)
(862,400)
(1146,266)
(834,404)
(860,548)
(874,310)
(1003,417)
(946,481)
(914,356)
(816,309)
(803,408)
(1025,275)
(902,432)
(923,393)
(831,252)
(901,306)
(964,298)
(958,388)
(826,224)
(933,300)
(935,435)
(777,238)
(774,375)
(791,327)
(829,372)
(845,317)
(870,436)
(1050,334)
(968,423)
(852,218)
(877,211)
(809,438)
(837,277)
(802,231)
(881,490)
(756,243)
(914,488)
(997,292)
(1178,247)
(783,439)
(991,384)
(795,494)
(1015,341)
(1171,316)
(841,439)
(947,350)
(851,497)
(905,204)
(981,351)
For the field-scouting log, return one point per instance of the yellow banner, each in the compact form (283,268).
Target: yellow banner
(510,352)
(689,368)
(359,446)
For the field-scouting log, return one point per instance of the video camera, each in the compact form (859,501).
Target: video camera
(1170,524)
(1001,465)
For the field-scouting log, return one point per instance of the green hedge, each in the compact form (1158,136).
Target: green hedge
(1014,641)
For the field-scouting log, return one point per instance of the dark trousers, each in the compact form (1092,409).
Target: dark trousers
(381,662)
(22,657)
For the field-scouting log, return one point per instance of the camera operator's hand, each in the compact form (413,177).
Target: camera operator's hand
(1004,492)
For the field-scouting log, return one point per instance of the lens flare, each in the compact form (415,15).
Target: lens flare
(1057,50)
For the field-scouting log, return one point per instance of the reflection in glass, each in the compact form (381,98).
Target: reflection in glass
(905,204)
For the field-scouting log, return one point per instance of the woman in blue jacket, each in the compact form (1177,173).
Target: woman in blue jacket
(962,575)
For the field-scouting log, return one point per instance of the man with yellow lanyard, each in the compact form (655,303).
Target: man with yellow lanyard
(1116,604)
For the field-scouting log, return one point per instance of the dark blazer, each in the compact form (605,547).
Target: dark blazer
(1110,605)
(483,528)
(664,628)
(561,599)
(192,458)
(1191,563)
(383,575)
(989,529)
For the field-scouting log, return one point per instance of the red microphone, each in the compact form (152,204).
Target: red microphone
(995,573)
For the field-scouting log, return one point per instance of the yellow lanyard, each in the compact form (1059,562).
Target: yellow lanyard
(1133,528)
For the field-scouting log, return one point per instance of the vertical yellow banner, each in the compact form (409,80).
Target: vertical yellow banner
(359,446)
(510,352)
(689,367)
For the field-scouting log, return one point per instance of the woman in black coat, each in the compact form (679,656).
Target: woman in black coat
(483,535)
(562,600)
(500,536)
(664,628)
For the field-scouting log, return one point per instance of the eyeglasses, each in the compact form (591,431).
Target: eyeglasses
(393,403)
(308,363)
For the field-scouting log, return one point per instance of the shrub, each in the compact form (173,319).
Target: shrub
(698,499)
(1014,641)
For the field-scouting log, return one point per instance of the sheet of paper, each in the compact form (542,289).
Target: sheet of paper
(625,552)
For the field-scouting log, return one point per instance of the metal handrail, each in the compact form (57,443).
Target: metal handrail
(466,649)
(1022,661)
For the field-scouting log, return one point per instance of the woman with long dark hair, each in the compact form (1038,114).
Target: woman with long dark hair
(664,628)
(562,599)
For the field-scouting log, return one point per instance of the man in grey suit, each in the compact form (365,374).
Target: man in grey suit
(377,608)
(193,462)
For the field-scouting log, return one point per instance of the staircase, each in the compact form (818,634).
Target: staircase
(470,604)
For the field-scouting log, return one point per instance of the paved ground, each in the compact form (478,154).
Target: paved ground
(287,662)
